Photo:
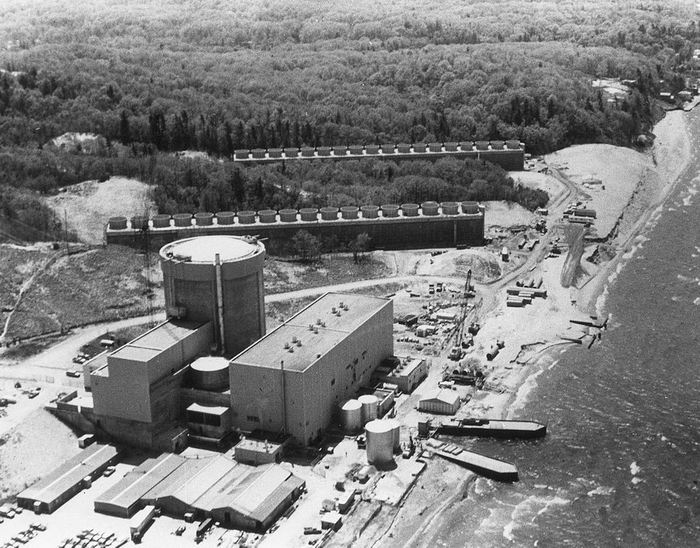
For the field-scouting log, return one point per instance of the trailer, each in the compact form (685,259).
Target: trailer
(140,522)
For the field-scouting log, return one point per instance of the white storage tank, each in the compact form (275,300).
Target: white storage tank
(210,373)
(370,403)
(351,416)
(380,442)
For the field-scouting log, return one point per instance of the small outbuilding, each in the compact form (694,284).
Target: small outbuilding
(441,401)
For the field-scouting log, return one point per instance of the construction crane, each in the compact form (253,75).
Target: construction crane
(457,352)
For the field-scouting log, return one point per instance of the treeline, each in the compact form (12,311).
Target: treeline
(25,217)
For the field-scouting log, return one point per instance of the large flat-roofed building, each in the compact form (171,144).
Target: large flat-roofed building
(293,379)
(136,394)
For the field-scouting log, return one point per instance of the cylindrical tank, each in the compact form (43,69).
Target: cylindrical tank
(435,147)
(161,221)
(409,210)
(451,147)
(225,217)
(370,211)
(274,152)
(356,149)
(390,210)
(139,222)
(388,148)
(209,373)
(372,149)
(204,219)
(349,212)
(429,208)
(241,154)
(309,214)
(288,215)
(246,217)
(370,404)
(380,442)
(230,295)
(307,152)
(291,152)
(329,213)
(351,416)
(396,430)
(117,223)
(450,208)
(267,216)
(182,219)
(323,151)
(470,208)
(403,148)
(419,147)
(258,153)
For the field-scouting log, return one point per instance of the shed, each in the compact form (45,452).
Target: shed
(444,402)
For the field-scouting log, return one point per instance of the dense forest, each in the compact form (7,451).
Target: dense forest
(154,77)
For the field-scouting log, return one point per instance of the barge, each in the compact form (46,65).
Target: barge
(486,466)
(492,428)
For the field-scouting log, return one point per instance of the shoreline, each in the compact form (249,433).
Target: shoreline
(590,298)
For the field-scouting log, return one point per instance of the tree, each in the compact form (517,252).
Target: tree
(306,246)
(359,246)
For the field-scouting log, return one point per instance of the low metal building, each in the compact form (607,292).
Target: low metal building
(64,482)
(408,374)
(444,402)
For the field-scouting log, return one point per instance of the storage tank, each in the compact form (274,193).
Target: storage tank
(450,208)
(161,221)
(388,148)
(370,403)
(329,213)
(409,210)
(309,214)
(351,416)
(225,217)
(117,223)
(182,219)
(229,294)
(429,208)
(470,208)
(370,211)
(349,212)
(246,217)
(267,216)
(288,215)
(390,210)
(396,431)
(204,219)
(209,373)
(380,442)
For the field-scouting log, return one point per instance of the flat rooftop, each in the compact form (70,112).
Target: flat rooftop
(151,343)
(312,332)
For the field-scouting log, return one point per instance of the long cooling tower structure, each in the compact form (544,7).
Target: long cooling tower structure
(217,279)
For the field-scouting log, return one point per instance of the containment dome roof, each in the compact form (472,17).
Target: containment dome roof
(203,249)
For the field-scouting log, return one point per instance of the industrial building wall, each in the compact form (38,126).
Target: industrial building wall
(123,393)
(256,397)
(244,317)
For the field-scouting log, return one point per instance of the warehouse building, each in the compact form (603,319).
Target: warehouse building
(294,379)
(64,482)
(233,494)
(441,401)
(408,374)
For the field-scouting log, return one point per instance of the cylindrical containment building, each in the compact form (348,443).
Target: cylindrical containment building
(370,404)
(351,416)
(380,442)
(218,279)
(209,373)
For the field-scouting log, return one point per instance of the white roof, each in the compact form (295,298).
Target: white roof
(208,409)
(204,249)
(446,396)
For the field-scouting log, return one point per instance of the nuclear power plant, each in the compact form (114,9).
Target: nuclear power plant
(211,371)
